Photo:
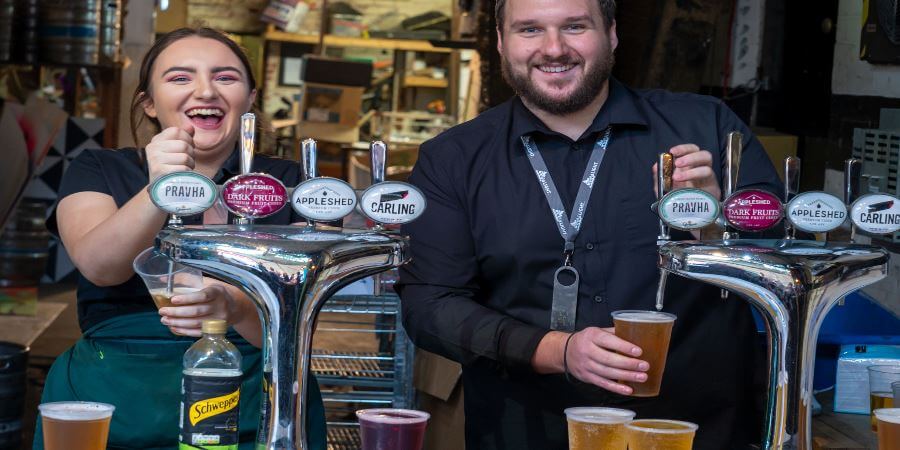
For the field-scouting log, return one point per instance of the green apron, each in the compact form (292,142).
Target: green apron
(134,363)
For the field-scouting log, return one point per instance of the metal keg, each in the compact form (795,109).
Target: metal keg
(111,31)
(7,13)
(24,246)
(13,382)
(70,31)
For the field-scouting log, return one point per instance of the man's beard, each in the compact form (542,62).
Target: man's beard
(586,91)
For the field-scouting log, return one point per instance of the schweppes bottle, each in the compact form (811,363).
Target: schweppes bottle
(211,391)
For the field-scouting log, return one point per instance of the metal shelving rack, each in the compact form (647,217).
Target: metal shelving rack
(357,380)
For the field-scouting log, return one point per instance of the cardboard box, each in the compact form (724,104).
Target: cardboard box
(778,146)
(330,112)
(441,394)
(851,388)
(331,103)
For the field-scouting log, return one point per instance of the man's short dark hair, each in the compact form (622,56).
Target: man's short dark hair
(607,9)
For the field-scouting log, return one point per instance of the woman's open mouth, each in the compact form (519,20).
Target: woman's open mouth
(206,118)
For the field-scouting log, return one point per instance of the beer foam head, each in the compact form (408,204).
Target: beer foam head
(393,416)
(76,410)
(661,426)
(891,415)
(643,316)
(599,415)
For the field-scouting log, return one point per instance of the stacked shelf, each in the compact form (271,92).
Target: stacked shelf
(380,377)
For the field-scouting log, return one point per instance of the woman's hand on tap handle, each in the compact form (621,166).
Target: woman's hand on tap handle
(172,150)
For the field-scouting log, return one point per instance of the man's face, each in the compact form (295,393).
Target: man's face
(557,54)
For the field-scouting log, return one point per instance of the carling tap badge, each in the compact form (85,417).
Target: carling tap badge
(392,202)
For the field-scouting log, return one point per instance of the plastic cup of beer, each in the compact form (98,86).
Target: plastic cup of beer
(166,278)
(75,425)
(392,429)
(653,434)
(593,428)
(651,331)
(881,394)
(888,428)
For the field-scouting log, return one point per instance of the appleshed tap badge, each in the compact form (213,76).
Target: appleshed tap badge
(753,210)
(392,202)
(323,199)
(876,213)
(183,193)
(254,195)
(816,212)
(688,209)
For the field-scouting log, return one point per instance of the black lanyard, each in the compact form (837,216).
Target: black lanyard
(565,296)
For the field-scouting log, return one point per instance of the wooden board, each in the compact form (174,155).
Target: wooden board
(25,329)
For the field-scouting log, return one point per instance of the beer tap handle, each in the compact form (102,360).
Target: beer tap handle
(308,159)
(852,172)
(378,150)
(791,188)
(852,175)
(248,141)
(733,161)
(734,149)
(664,169)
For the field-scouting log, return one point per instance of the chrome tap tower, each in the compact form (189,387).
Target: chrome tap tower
(793,283)
(289,271)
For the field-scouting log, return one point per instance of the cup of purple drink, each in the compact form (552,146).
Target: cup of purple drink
(392,429)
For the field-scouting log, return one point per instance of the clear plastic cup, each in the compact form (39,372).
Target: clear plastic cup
(888,428)
(648,434)
(651,331)
(75,425)
(392,429)
(592,428)
(166,278)
(881,394)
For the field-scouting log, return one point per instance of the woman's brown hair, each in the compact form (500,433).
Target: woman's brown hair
(142,91)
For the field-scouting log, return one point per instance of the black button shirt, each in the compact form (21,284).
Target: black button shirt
(122,174)
(479,287)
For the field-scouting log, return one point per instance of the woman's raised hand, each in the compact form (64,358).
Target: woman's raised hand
(172,150)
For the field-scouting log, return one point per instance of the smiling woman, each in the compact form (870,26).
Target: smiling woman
(194,85)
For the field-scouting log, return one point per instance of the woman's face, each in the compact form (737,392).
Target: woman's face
(199,83)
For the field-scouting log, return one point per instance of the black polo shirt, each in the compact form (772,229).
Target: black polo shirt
(122,174)
(479,287)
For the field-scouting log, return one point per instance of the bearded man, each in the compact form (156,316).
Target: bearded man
(561,175)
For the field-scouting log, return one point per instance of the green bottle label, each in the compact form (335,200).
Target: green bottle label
(209,412)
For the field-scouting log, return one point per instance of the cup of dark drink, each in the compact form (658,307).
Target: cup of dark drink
(392,429)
